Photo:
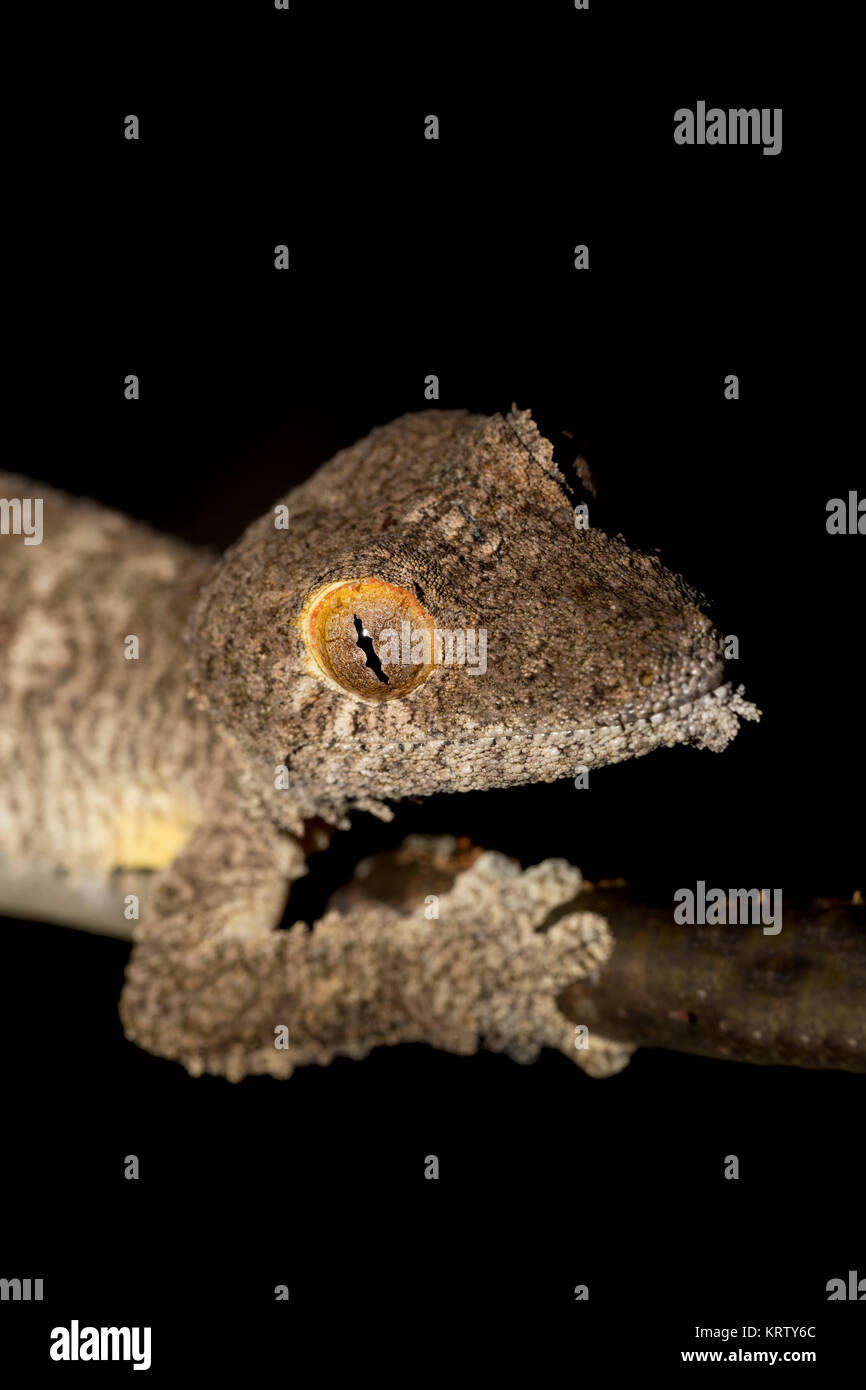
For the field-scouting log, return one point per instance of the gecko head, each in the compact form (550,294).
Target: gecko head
(434,615)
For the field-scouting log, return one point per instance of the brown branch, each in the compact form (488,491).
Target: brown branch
(795,999)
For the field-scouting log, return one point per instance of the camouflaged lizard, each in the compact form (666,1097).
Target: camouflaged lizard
(172,720)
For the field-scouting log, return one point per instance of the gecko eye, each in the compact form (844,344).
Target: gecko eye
(368,638)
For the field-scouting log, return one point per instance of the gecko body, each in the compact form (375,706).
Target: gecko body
(322,666)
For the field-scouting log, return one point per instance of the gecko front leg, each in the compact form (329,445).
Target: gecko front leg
(203,981)
(214,984)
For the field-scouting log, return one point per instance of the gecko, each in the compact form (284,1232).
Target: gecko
(173,720)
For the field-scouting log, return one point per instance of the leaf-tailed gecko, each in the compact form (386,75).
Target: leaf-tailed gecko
(172,720)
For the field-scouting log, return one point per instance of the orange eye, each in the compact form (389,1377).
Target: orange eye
(369,638)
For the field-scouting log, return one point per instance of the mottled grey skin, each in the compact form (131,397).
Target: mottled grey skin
(94,748)
(472,514)
(165,767)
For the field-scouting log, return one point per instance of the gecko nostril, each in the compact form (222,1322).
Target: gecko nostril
(365,642)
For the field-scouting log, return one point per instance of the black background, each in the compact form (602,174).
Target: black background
(455,257)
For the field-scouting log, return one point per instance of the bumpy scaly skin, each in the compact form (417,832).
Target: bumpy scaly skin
(471,515)
(595,654)
(103,761)
(209,984)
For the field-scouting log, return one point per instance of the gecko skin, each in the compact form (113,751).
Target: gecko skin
(263,696)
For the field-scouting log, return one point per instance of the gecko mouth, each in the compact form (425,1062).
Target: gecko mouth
(707,717)
(676,699)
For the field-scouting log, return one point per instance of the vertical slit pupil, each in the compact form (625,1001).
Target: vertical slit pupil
(366,645)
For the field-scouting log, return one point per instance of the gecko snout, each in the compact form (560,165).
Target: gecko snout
(653,664)
(680,670)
